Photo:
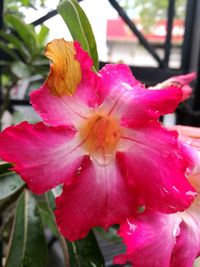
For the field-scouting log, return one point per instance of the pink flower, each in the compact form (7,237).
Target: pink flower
(100,138)
(181,81)
(155,239)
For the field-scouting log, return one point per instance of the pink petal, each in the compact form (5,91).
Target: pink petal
(129,100)
(69,110)
(154,163)
(190,138)
(88,89)
(98,196)
(116,75)
(43,156)
(187,247)
(156,239)
(150,238)
(189,135)
(184,79)
(181,81)
(83,57)
(58,110)
(140,106)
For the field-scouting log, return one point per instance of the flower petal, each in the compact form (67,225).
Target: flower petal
(116,75)
(55,110)
(155,167)
(91,85)
(43,156)
(150,239)
(65,73)
(187,247)
(190,138)
(98,196)
(189,135)
(181,81)
(59,109)
(162,240)
(131,101)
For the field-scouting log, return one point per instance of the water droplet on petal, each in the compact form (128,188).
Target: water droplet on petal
(165,190)
(132,227)
(189,141)
(176,189)
(172,207)
(78,171)
(190,193)
(127,86)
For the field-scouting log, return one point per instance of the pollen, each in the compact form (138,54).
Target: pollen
(100,135)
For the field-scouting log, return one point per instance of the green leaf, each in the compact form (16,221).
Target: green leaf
(28,244)
(79,27)
(10,183)
(85,252)
(47,218)
(20,70)
(82,253)
(17,44)
(25,32)
(4,167)
(8,52)
(42,35)
(110,235)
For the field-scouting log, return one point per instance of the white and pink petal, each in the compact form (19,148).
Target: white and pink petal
(154,164)
(58,110)
(44,156)
(129,100)
(98,196)
(150,238)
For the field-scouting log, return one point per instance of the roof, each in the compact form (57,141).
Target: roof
(117,30)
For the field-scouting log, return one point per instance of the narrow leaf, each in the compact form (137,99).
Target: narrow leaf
(85,252)
(110,235)
(4,167)
(11,54)
(47,218)
(10,183)
(82,253)
(42,35)
(17,44)
(79,27)
(28,245)
(25,32)
(20,70)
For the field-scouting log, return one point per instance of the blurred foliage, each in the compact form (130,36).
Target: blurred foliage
(15,5)
(21,48)
(150,11)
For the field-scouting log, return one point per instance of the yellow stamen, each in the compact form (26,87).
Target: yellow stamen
(100,135)
(65,71)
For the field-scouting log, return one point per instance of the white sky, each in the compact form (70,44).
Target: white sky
(98,11)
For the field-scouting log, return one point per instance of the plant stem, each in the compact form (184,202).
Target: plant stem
(60,237)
